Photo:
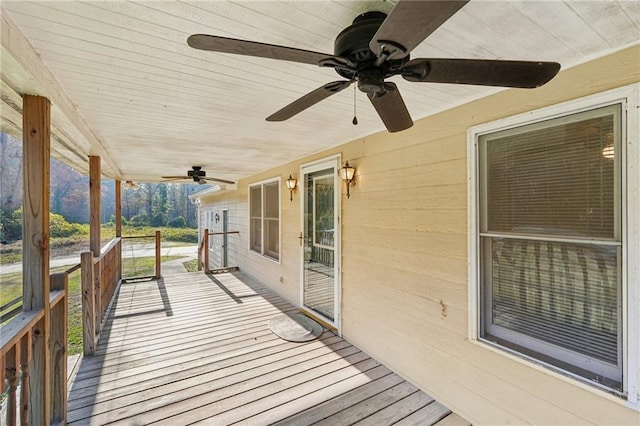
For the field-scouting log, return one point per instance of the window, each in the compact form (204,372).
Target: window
(264,219)
(548,240)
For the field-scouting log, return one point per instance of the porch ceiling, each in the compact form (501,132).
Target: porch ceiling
(152,106)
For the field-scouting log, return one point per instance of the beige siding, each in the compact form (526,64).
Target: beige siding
(404,259)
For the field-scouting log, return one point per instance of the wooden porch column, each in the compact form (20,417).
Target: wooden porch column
(118,208)
(94,205)
(36,119)
(94,231)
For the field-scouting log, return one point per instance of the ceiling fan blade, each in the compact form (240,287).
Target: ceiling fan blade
(230,182)
(175,177)
(409,23)
(391,108)
(309,99)
(523,74)
(252,48)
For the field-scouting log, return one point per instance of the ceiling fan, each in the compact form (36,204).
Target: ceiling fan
(376,46)
(199,176)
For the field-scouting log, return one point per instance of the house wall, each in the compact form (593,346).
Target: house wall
(405,259)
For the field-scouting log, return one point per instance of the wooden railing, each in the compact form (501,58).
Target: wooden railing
(203,252)
(158,271)
(18,339)
(100,278)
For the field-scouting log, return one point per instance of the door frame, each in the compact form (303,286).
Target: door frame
(311,167)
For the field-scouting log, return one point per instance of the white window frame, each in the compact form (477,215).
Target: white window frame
(262,252)
(629,97)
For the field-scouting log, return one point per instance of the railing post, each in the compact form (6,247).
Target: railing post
(119,260)
(97,292)
(200,247)
(206,251)
(59,351)
(88,304)
(158,256)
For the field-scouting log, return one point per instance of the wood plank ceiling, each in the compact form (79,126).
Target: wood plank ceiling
(157,106)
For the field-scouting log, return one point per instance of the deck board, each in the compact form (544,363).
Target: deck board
(192,349)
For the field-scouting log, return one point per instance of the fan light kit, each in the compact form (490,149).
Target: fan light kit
(375,47)
(131,185)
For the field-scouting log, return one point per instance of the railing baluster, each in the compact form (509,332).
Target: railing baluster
(11,368)
(2,374)
(25,359)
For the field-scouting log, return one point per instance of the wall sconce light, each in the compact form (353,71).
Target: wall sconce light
(291,185)
(346,174)
(131,185)
(217,217)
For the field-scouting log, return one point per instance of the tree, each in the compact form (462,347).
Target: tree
(10,172)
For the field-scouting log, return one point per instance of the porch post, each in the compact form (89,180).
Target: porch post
(36,119)
(94,205)
(94,232)
(118,212)
(118,194)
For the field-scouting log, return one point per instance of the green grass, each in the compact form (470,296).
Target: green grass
(191,265)
(8,258)
(11,287)
(142,266)
(64,246)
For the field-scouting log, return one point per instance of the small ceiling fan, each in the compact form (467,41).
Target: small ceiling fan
(199,176)
(376,46)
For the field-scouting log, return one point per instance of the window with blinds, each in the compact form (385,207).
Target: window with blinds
(255,219)
(550,242)
(264,219)
(272,220)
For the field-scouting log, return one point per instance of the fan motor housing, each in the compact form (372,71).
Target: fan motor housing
(353,43)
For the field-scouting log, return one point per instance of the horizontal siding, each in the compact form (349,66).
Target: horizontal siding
(405,260)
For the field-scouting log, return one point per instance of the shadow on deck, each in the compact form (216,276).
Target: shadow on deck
(188,349)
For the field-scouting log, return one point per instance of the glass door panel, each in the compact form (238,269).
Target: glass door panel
(319,284)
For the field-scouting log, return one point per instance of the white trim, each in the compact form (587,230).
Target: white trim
(629,97)
(262,183)
(631,229)
(313,165)
(334,162)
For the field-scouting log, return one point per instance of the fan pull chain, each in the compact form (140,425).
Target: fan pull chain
(355,119)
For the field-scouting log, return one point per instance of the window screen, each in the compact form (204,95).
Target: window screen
(255,208)
(272,220)
(264,208)
(550,242)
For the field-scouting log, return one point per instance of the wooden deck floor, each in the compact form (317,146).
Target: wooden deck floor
(196,349)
